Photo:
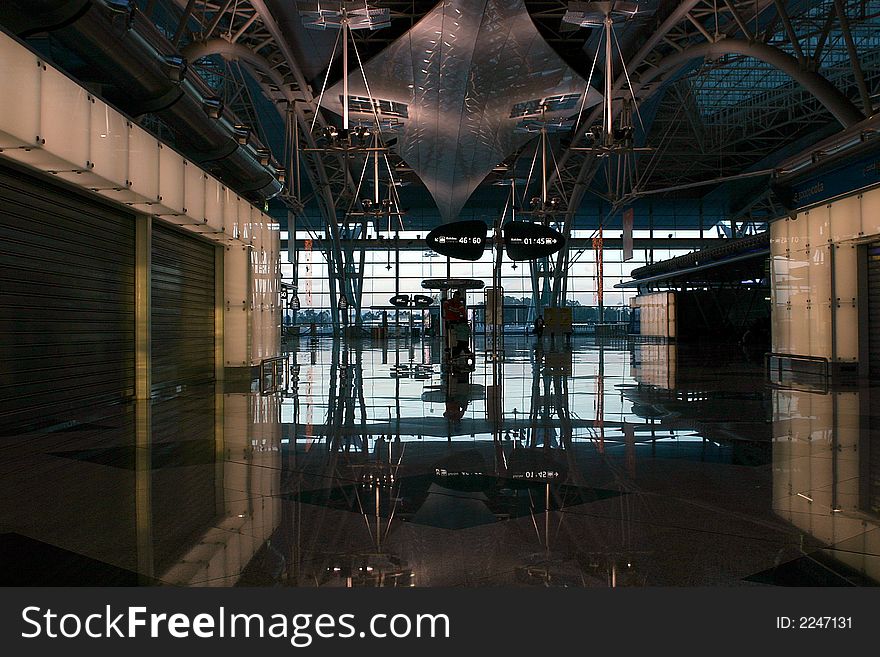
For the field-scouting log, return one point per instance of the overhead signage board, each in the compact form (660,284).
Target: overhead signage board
(466,240)
(527,241)
(462,240)
(831,182)
(628,217)
(405,301)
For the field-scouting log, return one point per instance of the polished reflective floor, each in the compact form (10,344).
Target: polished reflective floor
(552,463)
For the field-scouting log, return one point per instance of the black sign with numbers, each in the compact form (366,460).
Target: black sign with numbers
(400,300)
(527,241)
(462,240)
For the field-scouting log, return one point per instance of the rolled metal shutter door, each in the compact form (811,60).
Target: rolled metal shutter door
(67,306)
(182,309)
(870,450)
(183,394)
(874,310)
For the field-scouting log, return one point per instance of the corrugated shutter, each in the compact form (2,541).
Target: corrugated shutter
(66,305)
(183,309)
(183,421)
(183,472)
(871,450)
(874,310)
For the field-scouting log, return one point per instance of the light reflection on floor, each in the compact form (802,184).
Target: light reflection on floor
(554,465)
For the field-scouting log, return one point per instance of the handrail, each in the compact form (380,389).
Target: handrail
(274,374)
(823,373)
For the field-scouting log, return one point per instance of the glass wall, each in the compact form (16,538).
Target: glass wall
(415,265)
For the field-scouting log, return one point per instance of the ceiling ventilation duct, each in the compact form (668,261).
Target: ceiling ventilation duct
(141,72)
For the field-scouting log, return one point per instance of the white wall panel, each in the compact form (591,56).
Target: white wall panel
(799,231)
(247,215)
(215,197)
(108,145)
(657,314)
(799,290)
(846,219)
(870,212)
(21,71)
(819,227)
(194,186)
(820,301)
(780,311)
(236,288)
(65,120)
(846,285)
(143,165)
(779,237)
(172,180)
(230,213)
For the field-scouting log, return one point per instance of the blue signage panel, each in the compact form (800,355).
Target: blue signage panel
(834,181)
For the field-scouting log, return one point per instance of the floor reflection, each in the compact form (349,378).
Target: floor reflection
(551,464)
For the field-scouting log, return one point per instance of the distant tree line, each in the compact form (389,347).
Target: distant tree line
(516,311)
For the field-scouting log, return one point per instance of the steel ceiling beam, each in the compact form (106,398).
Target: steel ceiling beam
(278,73)
(834,101)
(853,53)
(588,168)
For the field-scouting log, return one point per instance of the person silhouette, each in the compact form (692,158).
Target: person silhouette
(455,316)
(538,328)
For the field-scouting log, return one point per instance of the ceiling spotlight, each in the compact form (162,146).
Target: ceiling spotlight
(242,133)
(386,203)
(330,133)
(367,204)
(536,202)
(623,134)
(213,107)
(316,16)
(175,68)
(592,14)
(362,133)
(124,8)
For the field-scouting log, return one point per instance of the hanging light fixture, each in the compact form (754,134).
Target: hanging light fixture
(544,206)
(333,15)
(605,15)
(613,143)
(361,136)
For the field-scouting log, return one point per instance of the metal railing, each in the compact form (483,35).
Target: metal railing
(793,370)
(274,374)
